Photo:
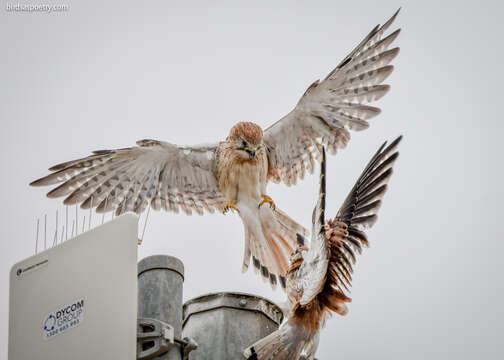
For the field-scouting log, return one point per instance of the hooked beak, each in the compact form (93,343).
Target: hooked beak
(251,154)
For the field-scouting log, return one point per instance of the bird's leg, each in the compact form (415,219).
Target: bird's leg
(228,206)
(267,199)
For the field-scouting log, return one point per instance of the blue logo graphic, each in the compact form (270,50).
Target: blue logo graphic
(49,323)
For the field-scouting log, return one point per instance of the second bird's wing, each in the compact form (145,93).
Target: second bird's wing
(159,174)
(345,234)
(309,279)
(326,268)
(330,108)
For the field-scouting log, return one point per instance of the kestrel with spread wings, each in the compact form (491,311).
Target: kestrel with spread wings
(234,173)
(319,277)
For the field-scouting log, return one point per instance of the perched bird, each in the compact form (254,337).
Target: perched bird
(233,173)
(319,277)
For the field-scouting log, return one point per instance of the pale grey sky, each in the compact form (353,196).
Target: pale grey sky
(105,75)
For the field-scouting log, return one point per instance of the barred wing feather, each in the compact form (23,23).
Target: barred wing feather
(159,174)
(326,268)
(329,109)
(346,235)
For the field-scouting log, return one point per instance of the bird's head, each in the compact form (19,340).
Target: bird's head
(247,139)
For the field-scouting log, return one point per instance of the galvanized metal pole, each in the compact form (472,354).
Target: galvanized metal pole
(160,290)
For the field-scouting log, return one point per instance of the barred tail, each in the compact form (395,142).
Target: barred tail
(270,239)
(287,343)
(289,224)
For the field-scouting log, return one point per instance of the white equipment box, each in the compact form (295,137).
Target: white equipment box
(78,300)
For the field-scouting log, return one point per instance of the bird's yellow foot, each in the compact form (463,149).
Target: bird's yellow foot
(228,206)
(268,200)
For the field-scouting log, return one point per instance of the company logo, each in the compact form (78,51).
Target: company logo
(63,319)
(50,323)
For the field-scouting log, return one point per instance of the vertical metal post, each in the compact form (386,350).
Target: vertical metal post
(160,290)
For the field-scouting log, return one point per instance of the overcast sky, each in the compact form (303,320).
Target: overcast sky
(105,75)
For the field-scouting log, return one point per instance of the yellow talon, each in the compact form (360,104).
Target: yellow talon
(267,199)
(228,206)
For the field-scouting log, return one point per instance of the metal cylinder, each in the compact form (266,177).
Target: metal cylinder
(224,324)
(160,290)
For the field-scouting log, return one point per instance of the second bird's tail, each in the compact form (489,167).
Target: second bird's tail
(288,342)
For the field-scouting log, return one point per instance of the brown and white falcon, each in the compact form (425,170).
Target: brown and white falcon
(318,277)
(233,173)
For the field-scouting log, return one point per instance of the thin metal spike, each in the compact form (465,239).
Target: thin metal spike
(105,208)
(73,228)
(66,223)
(76,219)
(62,233)
(36,236)
(145,225)
(83,223)
(45,231)
(90,213)
(114,211)
(55,241)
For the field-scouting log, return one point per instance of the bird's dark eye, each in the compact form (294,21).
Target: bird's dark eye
(244,143)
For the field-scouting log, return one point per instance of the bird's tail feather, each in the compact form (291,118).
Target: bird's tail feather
(270,239)
(288,342)
(288,223)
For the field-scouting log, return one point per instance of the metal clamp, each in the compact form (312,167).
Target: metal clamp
(155,337)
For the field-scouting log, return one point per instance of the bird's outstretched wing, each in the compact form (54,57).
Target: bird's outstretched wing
(330,108)
(161,174)
(309,279)
(344,234)
(326,268)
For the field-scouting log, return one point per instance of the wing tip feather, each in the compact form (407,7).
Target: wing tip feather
(38,182)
